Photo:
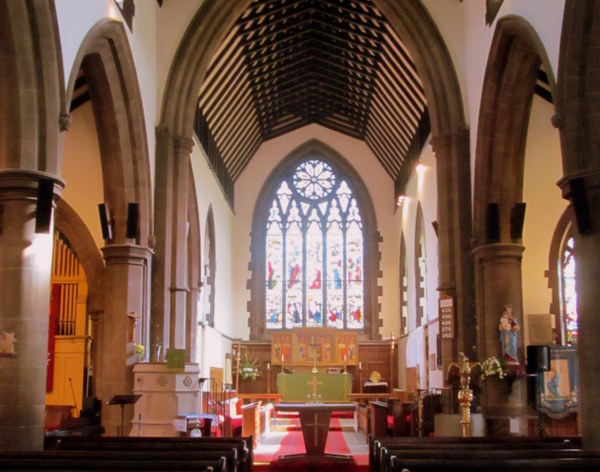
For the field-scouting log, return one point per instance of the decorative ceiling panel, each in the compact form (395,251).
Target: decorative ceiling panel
(290,63)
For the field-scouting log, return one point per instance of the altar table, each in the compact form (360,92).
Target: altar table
(300,387)
(314,420)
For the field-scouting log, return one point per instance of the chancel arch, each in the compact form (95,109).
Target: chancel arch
(318,267)
(450,135)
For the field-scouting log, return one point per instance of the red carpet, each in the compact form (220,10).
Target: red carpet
(292,443)
(294,425)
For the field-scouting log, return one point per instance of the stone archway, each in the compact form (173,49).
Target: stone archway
(107,63)
(450,139)
(515,57)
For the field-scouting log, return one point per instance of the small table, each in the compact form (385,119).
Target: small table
(314,420)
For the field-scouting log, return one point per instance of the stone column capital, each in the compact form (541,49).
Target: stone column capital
(496,251)
(21,180)
(126,254)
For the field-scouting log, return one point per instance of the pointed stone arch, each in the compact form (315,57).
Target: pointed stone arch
(450,137)
(515,57)
(68,222)
(31,86)
(514,61)
(107,62)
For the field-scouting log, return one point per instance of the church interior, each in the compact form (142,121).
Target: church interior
(221,220)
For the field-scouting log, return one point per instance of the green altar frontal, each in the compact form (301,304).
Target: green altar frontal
(300,387)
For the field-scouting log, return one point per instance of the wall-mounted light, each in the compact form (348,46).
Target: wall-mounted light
(400,200)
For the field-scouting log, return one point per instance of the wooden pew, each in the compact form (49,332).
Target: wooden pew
(506,464)
(180,445)
(115,461)
(381,450)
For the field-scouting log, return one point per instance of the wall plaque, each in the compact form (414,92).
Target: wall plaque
(446,307)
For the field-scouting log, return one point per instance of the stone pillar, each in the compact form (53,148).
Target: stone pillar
(454,239)
(25,270)
(498,282)
(126,288)
(584,193)
(169,278)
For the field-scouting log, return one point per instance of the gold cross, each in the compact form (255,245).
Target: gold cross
(314,384)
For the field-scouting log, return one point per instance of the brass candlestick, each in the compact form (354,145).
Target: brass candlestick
(465,397)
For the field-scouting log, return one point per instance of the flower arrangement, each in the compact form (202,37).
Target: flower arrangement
(139,351)
(494,368)
(248,368)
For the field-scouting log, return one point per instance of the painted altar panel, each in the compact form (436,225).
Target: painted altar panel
(330,346)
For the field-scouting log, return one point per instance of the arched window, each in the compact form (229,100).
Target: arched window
(315,258)
(403,277)
(568,291)
(420,269)
(314,251)
(562,281)
(208,287)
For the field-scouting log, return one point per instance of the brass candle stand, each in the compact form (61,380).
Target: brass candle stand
(465,397)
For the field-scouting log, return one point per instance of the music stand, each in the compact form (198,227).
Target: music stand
(123,400)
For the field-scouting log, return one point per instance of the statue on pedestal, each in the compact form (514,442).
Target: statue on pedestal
(509,327)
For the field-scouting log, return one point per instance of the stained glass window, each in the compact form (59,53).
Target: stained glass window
(314,251)
(569,292)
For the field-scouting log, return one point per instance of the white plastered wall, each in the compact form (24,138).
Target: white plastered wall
(545,206)
(411,353)
(213,343)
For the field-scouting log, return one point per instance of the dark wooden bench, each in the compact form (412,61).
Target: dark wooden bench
(86,461)
(504,465)
(239,448)
(381,451)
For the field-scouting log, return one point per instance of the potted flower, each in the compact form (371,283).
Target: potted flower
(248,368)
(494,368)
(139,351)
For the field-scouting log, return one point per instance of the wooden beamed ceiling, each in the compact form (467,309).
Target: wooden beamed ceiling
(289,63)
